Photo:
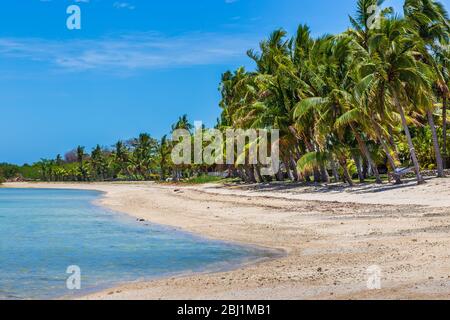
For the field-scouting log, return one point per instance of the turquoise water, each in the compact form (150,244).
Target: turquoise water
(43,232)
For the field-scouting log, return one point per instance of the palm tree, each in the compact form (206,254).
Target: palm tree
(120,159)
(442,60)
(337,101)
(164,152)
(145,148)
(390,72)
(99,163)
(183,123)
(429,20)
(80,160)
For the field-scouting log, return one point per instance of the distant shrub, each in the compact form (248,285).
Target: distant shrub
(203,179)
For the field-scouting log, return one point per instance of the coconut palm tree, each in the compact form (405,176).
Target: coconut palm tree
(143,155)
(164,152)
(99,163)
(120,159)
(80,159)
(390,72)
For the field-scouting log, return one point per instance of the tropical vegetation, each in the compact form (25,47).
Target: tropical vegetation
(359,104)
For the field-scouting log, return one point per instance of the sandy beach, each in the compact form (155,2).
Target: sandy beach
(330,235)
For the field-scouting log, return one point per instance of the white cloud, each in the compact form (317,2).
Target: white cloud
(123,5)
(129,52)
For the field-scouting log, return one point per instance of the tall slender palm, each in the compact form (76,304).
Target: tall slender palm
(80,160)
(164,152)
(99,163)
(390,71)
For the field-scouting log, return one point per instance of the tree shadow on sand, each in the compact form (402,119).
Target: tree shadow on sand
(298,188)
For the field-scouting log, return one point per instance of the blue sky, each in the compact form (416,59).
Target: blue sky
(135,65)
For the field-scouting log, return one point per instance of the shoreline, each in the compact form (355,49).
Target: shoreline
(271,254)
(329,245)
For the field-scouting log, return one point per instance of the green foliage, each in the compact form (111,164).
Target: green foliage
(203,179)
(364,94)
(9,171)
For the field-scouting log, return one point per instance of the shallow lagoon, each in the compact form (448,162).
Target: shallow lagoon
(43,232)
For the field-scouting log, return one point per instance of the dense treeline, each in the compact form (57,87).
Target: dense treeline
(371,96)
(357,104)
(139,159)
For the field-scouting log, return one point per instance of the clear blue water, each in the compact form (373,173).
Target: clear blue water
(42,232)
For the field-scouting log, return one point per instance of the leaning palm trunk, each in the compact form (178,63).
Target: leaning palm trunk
(444,130)
(392,143)
(437,151)
(357,161)
(290,174)
(387,152)
(365,151)
(289,170)
(412,150)
(347,177)
(293,166)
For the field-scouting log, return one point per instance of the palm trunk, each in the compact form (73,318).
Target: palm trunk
(280,175)
(444,130)
(388,153)
(440,166)
(294,169)
(392,143)
(357,160)
(343,163)
(365,151)
(316,174)
(412,150)
(290,173)
(241,174)
(365,168)
(324,174)
(250,173)
(334,169)
(258,174)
